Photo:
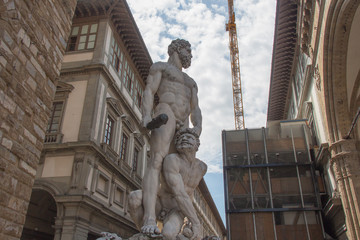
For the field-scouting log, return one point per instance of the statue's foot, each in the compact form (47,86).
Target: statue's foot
(150,228)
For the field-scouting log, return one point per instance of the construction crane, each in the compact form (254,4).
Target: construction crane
(235,69)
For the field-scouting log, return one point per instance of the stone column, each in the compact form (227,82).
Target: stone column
(33,37)
(346,166)
(74,232)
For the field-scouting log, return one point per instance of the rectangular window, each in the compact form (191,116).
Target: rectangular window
(108,130)
(82,37)
(129,79)
(138,93)
(55,118)
(116,56)
(123,146)
(135,159)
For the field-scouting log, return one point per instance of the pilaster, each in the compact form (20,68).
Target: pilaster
(346,166)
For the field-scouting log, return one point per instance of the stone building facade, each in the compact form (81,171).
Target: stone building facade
(316,76)
(94,153)
(33,37)
(88,117)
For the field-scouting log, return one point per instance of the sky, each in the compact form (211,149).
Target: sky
(202,23)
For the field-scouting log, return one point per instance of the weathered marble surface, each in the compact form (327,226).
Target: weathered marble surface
(178,100)
(181,174)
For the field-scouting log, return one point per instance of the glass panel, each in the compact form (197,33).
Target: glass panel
(314,225)
(256,146)
(72,43)
(301,149)
(123,146)
(75,31)
(93,28)
(239,189)
(280,149)
(108,130)
(84,29)
(81,46)
(285,187)
(91,45)
(264,226)
(92,37)
(241,224)
(290,225)
(57,113)
(82,39)
(236,148)
(260,188)
(307,185)
(54,127)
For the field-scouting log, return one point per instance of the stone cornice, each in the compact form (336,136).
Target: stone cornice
(285,37)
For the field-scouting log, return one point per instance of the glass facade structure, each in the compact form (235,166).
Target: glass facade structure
(271,189)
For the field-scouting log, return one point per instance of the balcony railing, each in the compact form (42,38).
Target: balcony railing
(53,137)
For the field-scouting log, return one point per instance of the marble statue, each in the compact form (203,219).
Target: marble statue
(181,174)
(173,171)
(178,100)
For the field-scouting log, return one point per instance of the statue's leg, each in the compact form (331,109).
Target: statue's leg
(172,225)
(160,141)
(135,207)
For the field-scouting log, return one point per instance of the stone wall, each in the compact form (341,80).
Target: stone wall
(33,37)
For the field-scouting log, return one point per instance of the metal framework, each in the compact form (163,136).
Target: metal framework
(235,69)
(270,182)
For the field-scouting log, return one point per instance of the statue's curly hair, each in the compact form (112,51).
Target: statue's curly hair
(176,45)
(191,131)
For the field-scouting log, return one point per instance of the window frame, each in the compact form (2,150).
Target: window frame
(52,117)
(116,54)
(109,130)
(135,159)
(129,78)
(123,152)
(61,95)
(74,46)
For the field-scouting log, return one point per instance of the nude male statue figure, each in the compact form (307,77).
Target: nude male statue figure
(182,173)
(178,99)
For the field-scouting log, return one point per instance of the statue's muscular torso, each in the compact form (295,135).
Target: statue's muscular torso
(175,89)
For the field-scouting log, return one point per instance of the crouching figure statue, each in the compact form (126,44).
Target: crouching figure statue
(181,174)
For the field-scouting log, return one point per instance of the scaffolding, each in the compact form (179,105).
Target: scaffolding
(271,188)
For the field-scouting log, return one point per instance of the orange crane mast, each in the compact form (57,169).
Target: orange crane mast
(235,69)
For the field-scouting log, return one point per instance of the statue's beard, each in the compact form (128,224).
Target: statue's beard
(185,61)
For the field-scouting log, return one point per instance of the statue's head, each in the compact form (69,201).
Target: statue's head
(187,140)
(183,48)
